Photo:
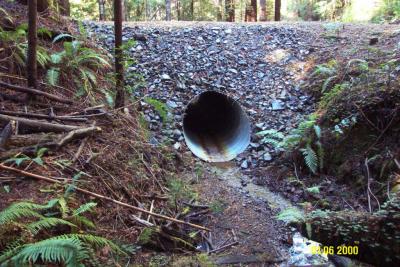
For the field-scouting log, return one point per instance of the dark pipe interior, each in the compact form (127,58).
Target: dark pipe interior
(215,127)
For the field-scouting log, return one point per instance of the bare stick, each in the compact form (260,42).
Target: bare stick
(223,247)
(41,116)
(47,179)
(39,125)
(35,92)
(80,149)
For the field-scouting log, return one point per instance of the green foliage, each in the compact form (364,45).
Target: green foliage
(328,97)
(179,191)
(310,158)
(37,159)
(313,190)
(78,63)
(271,137)
(388,12)
(217,206)
(291,215)
(300,132)
(19,210)
(15,46)
(306,135)
(161,108)
(70,249)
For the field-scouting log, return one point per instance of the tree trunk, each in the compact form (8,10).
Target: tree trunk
(42,5)
(31,64)
(376,235)
(251,11)
(64,7)
(178,10)
(263,11)
(219,10)
(230,10)
(167,10)
(192,9)
(102,10)
(277,10)
(119,68)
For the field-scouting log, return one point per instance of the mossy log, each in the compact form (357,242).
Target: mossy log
(377,235)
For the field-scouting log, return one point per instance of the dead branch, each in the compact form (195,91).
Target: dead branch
(35,92)
(39,125)
(77,133)
(32,139)
(50,142)
(41,116)
(87,192)
(80,149)
(223,247)
(5,134)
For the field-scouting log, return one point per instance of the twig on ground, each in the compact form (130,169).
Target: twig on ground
(35,92)
(41,116)
(39,125)
(87,192)
(223,247)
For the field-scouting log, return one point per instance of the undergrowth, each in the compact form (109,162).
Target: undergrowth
(51,233)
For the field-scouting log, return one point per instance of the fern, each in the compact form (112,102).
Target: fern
(92,240)
(53,76)
(47,223)
(327,82)
(84,208)
(272,137)
(19,210)
(69,251)
(310,158)
(161,108)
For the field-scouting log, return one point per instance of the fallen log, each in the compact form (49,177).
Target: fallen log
(377,235)
(22,140)
(41,116)
(35,92)
(48,141)
(87,192)
(38,126)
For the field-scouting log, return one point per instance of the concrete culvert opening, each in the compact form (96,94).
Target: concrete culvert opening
(215,127)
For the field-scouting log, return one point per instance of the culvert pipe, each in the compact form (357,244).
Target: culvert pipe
(215,127)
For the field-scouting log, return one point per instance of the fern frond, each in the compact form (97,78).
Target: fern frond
(84,208)
(327,82)
(52,76)
(47,223)
(82,221)
(310,158)
(94,241)
(21,209)
(63,207)
(271,141)
(271,133)
(69,251)
(161,108)
(11,250)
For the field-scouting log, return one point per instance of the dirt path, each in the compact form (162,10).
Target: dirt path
(243,212)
